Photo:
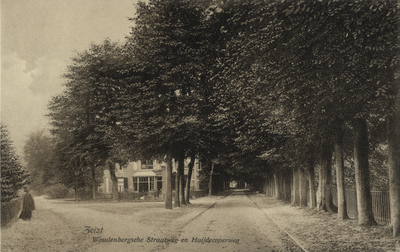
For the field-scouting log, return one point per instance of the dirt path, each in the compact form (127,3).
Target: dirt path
(234,223)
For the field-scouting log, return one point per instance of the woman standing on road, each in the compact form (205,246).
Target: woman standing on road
(28,205)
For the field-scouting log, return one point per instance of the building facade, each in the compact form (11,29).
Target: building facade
(146,176)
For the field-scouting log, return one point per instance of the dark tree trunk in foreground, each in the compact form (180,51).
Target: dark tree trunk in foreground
(394,169)
(325,177)
(114,184)
(76,187)
(276,184)
(311,181)
(364,197)
(189,179)
(210,183)
(272,187)
(176,196)
(341,196)
(111,167)
(281,181)
(181,171)
(93,182)
(287,183)
(302,187)
(295,189)
(168,182)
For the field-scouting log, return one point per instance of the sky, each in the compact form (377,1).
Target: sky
(38,38)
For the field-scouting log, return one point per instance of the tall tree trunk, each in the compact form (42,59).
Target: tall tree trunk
(289,182)
(76,187)
(176,196)
(168,182)
(276,183)
(281,189)
(189,179)
(181,170)
(271,187)
(302,187)
(393,131)
(394,168)
(341,196)
(325,177)
(93,182)
(210,183)
(111,167)
(296,196)
(284,192)
(330,207)
(364,197)
(282,180)
(311,182)
(114,185)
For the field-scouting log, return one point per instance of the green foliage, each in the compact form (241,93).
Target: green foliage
(173,44)
(297,70)
(58,191)
(84,116)
(41,161)
(13,177)
(252,85)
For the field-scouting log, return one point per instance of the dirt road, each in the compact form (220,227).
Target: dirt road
(230,223)
(233,223)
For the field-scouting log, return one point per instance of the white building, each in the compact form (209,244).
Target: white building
(146,176)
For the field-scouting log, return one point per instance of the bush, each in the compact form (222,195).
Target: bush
(10,210)
(154,194)
(131,195)
(126,195)
(58,191)
(85,193)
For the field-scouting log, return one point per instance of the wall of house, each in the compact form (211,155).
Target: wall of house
(128,171)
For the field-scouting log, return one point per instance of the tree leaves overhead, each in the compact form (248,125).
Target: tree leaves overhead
(248,82)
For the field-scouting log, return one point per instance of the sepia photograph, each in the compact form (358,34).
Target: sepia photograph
(200,125)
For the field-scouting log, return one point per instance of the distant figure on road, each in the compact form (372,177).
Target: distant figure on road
(28,205)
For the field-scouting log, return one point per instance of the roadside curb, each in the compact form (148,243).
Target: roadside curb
(283,230)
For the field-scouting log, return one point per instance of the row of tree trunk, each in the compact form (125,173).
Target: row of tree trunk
(279,185)
(182,188)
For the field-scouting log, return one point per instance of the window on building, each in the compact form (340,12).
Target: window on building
(126,184)
(135,184)
(120,184)
(143,184)
(151,183)
(147,164)
(159,183)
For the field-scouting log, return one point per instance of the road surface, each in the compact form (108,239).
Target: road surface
(234,223)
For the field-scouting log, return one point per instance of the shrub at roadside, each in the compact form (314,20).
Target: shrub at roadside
(58,191)
(136,195)
(13,177)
